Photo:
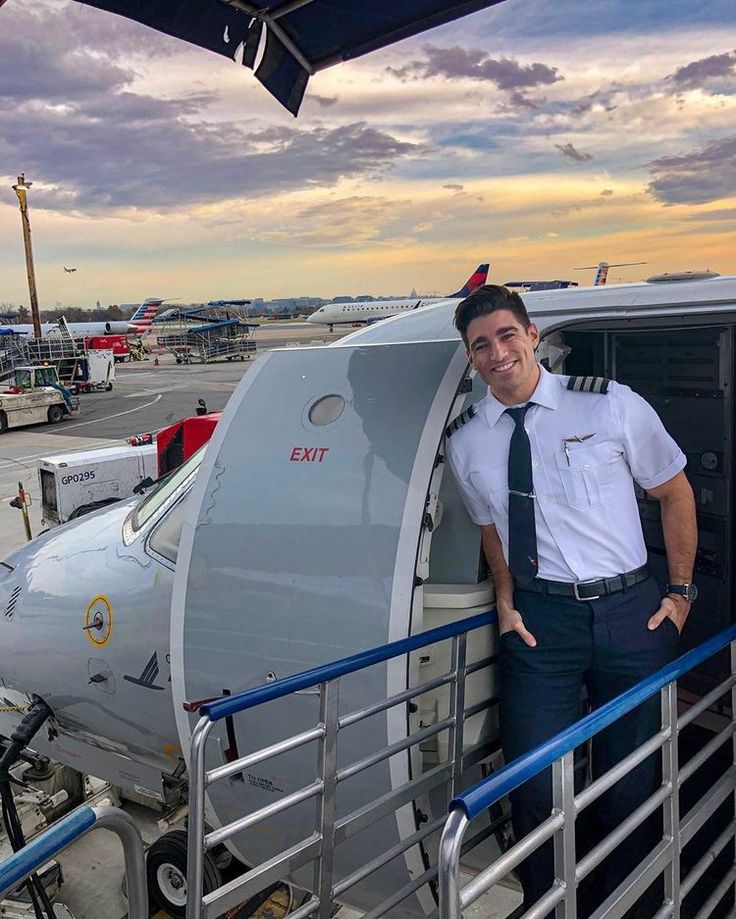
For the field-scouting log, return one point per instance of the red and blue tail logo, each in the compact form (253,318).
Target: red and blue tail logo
(142,318)
(477,279)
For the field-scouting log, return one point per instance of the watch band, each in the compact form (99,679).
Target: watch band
(688,591)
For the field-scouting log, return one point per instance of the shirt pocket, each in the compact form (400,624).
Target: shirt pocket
(588,473)
(496,489)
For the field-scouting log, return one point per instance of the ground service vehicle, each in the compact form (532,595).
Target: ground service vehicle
(34,396)
(118,344)
(319,521)
(74,484)
(95,371)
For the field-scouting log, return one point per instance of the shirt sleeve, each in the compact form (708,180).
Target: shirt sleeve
(475,502)
(653,456)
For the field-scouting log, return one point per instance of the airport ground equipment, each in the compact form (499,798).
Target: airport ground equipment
(34,397)
(73,484)
(95,372)
(690,883)
(230,339)
(454,661)
(118,344)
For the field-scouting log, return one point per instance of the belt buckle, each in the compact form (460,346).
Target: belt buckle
(578,584)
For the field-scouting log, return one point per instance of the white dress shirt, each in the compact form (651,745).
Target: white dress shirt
(587,450)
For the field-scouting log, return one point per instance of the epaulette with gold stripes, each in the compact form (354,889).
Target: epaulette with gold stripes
(589,384)
(461,419)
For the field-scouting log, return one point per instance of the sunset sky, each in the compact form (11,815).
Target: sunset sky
(540,136)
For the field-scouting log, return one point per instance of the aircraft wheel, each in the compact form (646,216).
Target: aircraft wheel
(166,873)
(56,413)
(3,422)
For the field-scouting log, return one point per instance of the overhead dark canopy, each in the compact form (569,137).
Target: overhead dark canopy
(302,36)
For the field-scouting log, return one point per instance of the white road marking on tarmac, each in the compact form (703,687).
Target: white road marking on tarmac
(81,424)
(7,462)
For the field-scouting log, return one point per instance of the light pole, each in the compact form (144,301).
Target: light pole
(20,189)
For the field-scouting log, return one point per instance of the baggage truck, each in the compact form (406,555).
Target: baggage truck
(74,484)
(34,396)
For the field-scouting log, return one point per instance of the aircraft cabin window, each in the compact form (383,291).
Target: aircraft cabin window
(326,410)
(166,488)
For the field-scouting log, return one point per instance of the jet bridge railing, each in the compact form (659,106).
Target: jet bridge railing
(19,866)
(678,830)
(329,829)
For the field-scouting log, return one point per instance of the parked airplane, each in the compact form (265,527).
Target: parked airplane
(140,321)
(526,286)
(320,521)
(601,270)
(369,311)
(138,324)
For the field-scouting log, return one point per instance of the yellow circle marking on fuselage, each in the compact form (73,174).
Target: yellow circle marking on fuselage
(99,606)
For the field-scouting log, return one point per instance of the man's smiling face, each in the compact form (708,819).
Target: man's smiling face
(502,351)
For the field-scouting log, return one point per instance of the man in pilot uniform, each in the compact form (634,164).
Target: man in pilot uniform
(546,465)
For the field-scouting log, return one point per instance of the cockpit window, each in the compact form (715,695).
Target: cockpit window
(167,487)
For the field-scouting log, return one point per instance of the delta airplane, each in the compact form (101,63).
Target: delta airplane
(138,324)
(369,311)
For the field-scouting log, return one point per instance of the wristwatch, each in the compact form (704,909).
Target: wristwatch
(688,591)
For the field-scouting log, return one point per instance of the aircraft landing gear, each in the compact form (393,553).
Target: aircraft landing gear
(166,872)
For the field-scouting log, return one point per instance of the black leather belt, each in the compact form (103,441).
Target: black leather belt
(588,590)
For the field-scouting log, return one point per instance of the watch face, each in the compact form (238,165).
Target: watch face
(692,592)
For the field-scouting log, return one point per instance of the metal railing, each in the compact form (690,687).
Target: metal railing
(558,753)
(329,829)
(48,844)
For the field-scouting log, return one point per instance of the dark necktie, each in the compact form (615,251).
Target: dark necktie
(522,528)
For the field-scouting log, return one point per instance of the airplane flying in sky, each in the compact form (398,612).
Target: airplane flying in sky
(69,270)
(369,311)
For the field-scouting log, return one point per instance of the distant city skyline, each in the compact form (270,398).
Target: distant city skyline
(537,136)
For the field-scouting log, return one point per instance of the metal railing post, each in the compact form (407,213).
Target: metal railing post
(195,830)
(329,699)
(671,805)
(457,709)
(563,802)
(449,864)
(121,823)
(732,659)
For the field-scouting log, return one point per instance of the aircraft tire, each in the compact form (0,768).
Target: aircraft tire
(3,422)
(56,414)
(166,869)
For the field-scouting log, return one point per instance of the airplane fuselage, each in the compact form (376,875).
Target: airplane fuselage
(368,311)
(78,329)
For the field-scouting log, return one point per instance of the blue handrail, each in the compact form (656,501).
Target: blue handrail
(489,791)
(38,851)
(240,702)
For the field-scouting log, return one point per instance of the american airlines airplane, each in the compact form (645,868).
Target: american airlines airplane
(369,311)
(138,324)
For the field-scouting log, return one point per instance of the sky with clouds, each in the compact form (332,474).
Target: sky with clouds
(540,136)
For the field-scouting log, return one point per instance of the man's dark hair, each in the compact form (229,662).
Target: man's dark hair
(487,299)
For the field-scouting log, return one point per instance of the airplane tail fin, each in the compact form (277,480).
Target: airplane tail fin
(477,279)
(601,274)
(140,321)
